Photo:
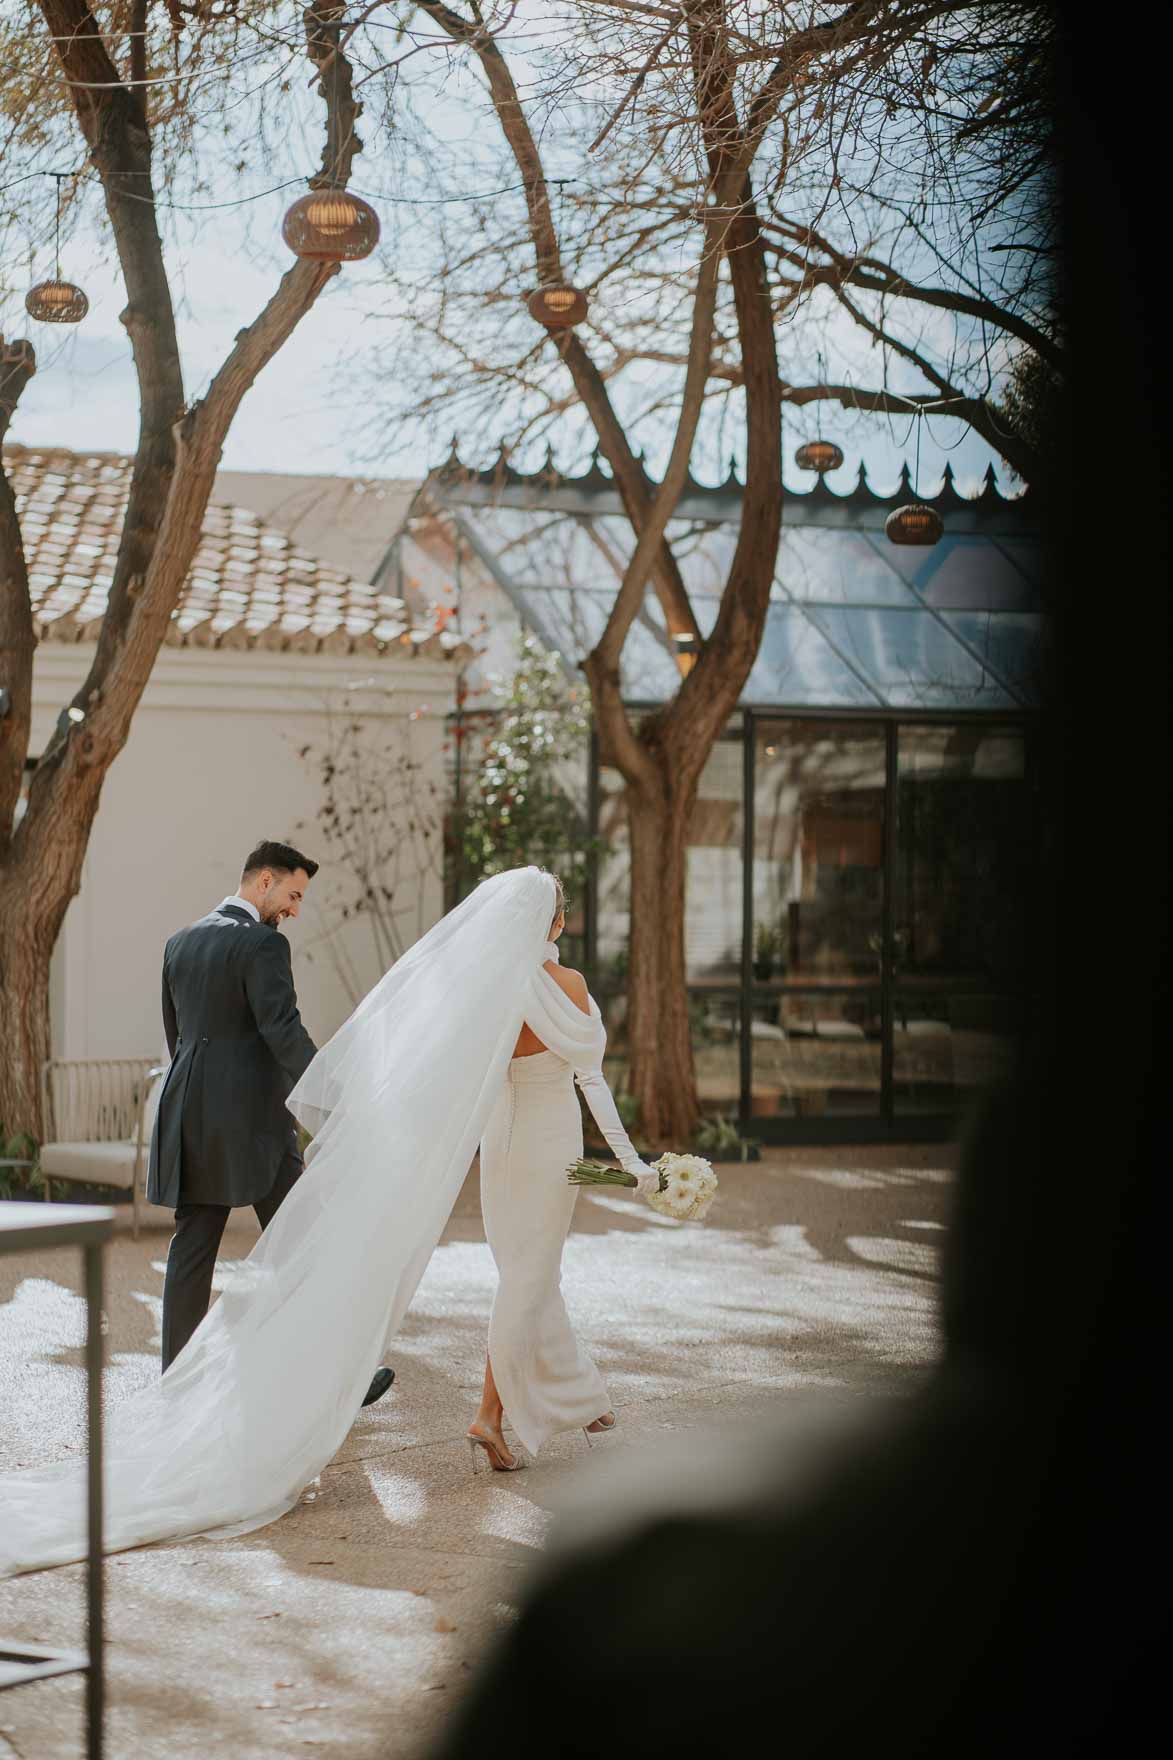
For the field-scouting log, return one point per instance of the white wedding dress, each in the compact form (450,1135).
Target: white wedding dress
(546,1381)
(262,1395)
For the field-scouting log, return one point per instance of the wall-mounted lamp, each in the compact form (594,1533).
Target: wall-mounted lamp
(688,649)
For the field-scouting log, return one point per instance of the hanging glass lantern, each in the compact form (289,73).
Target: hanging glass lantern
(331,226)
(56,301)
(558,308)
(818,455)
(914,523)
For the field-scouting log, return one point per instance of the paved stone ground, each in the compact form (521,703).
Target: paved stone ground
(352,1624)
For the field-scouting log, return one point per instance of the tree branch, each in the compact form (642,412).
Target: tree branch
(18,638)
(875,276)
(637,83)
(605,658)
(114,125)
(800,49)
(710,692)
(978,411)
(123,666)
(620,744)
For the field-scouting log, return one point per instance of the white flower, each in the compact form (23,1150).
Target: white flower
(666,1204)
(690,1186)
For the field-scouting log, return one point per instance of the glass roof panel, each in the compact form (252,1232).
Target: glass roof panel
(1027,553)
(572,622)
(963,571)
(1011,642)
(836,567)
(912,659)
(972,573)
(796,666)
(703,554)
(848,624)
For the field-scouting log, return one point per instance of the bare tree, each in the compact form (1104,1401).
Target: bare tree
(114,113)
(381,820)
(904,168)
(758,175)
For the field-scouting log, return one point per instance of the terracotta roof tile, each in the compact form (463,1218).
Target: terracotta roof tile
(249,587)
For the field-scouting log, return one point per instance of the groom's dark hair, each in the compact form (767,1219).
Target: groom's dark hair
(281,857)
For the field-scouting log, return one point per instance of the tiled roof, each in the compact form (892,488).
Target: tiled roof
(249,587)
(348,522)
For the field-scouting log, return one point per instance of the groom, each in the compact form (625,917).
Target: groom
(222,1135)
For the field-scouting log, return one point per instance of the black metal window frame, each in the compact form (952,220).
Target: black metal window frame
(887,1125)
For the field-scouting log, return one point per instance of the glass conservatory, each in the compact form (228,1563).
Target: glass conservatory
(857,942)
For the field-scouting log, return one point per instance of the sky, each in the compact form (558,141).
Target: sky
(303,413)
(310,411)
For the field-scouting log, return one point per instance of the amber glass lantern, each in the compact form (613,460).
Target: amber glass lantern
(914,523)
(558,308)
(56,302)
(331,226)
(818,455)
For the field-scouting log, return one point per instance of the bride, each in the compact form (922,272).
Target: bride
(536,1369)
(434,1058)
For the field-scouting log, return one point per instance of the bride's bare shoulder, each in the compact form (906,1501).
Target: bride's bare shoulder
(573,983)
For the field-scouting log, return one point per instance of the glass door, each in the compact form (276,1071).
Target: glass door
(817,915)
(959,911)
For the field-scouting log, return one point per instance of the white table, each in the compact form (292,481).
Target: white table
(25,1227)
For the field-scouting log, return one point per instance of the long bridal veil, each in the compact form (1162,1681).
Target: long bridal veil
(261,1397)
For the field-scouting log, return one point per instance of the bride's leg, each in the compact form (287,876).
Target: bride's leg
(490,1411)
(487,1424)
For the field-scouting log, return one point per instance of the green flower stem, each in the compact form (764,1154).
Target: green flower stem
(597,1173)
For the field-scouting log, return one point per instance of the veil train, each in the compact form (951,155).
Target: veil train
(261,1397)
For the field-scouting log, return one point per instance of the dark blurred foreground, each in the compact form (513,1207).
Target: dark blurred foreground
(974,1574)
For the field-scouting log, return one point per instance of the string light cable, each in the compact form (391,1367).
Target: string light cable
(290,183)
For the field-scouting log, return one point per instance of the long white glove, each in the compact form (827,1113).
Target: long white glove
(606,1115)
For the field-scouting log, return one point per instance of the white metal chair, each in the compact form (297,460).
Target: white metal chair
(99,1113)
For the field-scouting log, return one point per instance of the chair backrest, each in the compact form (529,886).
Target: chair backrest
(95,1099)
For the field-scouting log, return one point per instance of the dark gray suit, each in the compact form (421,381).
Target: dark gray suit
(222,1133)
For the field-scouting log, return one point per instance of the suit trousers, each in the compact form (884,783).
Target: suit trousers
(191,1257)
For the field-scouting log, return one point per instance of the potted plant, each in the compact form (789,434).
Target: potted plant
(767,944)
(719,1139)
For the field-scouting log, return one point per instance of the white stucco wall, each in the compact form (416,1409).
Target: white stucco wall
(211,767)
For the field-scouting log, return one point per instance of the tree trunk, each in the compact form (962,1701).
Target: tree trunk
(662,1076)
(26,947)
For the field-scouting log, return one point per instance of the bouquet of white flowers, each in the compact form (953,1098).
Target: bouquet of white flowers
(687,1184)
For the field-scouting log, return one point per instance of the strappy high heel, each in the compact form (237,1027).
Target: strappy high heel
(599,1427)
(497,1460)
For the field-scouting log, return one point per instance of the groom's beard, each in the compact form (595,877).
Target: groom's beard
(273,915)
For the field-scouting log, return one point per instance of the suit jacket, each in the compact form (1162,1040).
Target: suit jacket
(238,1048)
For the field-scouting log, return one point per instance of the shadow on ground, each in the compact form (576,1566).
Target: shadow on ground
(355,1619)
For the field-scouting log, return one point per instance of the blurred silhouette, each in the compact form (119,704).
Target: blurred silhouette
(971,1575)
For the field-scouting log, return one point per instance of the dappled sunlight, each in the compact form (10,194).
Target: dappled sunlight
(911,1256)
(402,1499)
(813,1279)
(627,1211)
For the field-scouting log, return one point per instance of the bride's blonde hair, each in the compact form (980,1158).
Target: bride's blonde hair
(559,899)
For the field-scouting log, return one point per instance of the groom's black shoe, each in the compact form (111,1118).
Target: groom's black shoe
(380,1382)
